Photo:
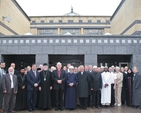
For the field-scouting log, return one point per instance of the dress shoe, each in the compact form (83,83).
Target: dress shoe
(98,107)
(139,107)
(84,108)
(30,110)
(12,111)
(112,105)
(4,112)
(56,109)
(33,109)
(93,107)
(61,109)
(119,105)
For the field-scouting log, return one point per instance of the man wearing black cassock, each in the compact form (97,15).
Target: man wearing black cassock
(137,88)
(96,86)
(83,82)
(59,78)
(45,88)
(21,102)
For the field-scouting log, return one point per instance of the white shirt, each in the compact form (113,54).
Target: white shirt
(113,77)
(11,78)
(81,73)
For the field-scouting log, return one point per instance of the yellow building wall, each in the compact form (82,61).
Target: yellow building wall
(127,14)
(19,23)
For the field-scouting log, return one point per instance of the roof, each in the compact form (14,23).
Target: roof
(19,7)
(118,8)
(72,13)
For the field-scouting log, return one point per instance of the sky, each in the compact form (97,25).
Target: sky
(61,7)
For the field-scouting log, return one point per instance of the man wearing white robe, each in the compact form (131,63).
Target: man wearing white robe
(106,88)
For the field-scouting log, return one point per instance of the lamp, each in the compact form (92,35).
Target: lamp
(8,18)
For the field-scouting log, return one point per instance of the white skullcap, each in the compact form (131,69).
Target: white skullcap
(117,67)
(71,67)
(94,66)
(106,67)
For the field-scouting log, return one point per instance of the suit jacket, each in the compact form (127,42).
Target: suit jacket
(6,83)
(16,72)
(119,80)
(96,81)
(31,80)
(137,89)
(55,77)
(83,84)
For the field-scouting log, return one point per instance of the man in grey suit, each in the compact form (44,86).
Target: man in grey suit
(1,91)
(10,87)
(136,88)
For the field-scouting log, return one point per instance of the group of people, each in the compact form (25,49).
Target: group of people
(68,87)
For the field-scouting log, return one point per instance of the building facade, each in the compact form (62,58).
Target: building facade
(13,20)
(126,20)
(95,50)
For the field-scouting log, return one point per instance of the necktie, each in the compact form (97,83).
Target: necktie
(35,73)
(59,74)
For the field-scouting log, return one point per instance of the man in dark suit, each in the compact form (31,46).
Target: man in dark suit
(59,77)
(10,87)
(83,82)
(90,71)
(96,86)
(33,81)
(16,72)
(2,73)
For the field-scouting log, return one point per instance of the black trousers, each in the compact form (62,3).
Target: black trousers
(89,100)
(112,94)
(59,98)
(95,98)
(1,96)
(83,102)
(31,99)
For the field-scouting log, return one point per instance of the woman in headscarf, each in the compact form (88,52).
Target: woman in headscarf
(128,85)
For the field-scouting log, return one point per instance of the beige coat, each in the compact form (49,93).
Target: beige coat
(119,79)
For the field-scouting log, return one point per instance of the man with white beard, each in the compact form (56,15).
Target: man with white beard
(106,88)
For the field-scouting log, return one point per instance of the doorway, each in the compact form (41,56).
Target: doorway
(20,60)
(116,60)
(74,60)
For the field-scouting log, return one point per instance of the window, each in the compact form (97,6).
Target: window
(107,21)
(60,22)
(42,21)
(70,21)
(89,21)
(51,21)
(47,31)
(93,31)
(33,21)
(70,30)
(98,21)
(80,21)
